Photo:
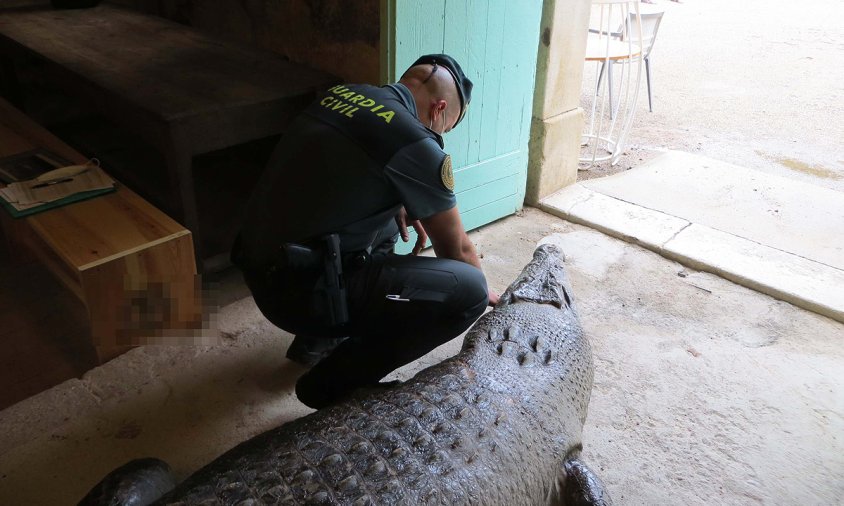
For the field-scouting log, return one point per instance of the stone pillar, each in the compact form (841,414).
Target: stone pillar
(557,117)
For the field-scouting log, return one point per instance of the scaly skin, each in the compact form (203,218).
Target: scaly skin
(495,424)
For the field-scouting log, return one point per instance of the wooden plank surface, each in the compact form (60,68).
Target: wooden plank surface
(419,26)
(466,37)
(85,233)
(158,65)
(137,298)
(496,43)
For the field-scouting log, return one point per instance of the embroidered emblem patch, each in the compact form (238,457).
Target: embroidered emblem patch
(446,174)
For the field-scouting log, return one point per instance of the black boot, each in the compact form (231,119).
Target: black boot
(309,350)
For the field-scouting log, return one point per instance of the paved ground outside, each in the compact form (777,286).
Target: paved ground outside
(756,83)
(773,234)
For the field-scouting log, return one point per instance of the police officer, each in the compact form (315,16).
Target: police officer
(354,170)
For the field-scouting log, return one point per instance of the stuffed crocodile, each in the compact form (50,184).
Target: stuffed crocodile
(500,423)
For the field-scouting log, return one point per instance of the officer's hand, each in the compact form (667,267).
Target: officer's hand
(401,221)
(421,236)
(493,297)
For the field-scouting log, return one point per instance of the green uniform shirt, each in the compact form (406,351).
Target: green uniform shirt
(346,165)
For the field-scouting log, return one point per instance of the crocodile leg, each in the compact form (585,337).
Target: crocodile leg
(579,486)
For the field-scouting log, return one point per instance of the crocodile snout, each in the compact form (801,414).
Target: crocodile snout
(543,281)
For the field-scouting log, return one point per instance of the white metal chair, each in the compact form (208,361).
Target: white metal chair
(608,125)
(650,26)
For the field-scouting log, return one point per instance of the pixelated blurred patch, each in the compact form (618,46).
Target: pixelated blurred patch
(148,309)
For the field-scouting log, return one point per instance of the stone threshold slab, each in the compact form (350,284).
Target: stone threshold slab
(783,213)
(800,281)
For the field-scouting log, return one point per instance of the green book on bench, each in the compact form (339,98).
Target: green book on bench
(39,180)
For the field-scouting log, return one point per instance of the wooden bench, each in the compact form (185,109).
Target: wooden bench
(180,91)
(131,265)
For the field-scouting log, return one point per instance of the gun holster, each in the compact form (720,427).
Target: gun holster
(330,290)
(323,263)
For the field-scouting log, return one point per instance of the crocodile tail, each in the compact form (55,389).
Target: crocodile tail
(136,483)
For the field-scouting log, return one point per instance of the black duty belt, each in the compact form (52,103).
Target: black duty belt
(320,260)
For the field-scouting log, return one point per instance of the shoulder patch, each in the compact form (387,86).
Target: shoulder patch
(446,173)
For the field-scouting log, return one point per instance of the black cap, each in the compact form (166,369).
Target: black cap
(464,85)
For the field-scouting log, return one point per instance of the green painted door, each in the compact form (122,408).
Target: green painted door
(495,41)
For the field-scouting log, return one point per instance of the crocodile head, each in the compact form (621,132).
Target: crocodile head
(543,281)
(531,346)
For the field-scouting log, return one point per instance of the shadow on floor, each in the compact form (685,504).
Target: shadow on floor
(43,332)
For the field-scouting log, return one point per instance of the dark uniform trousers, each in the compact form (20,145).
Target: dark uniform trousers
(400,308)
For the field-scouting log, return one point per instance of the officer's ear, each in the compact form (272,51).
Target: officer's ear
(438,115)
